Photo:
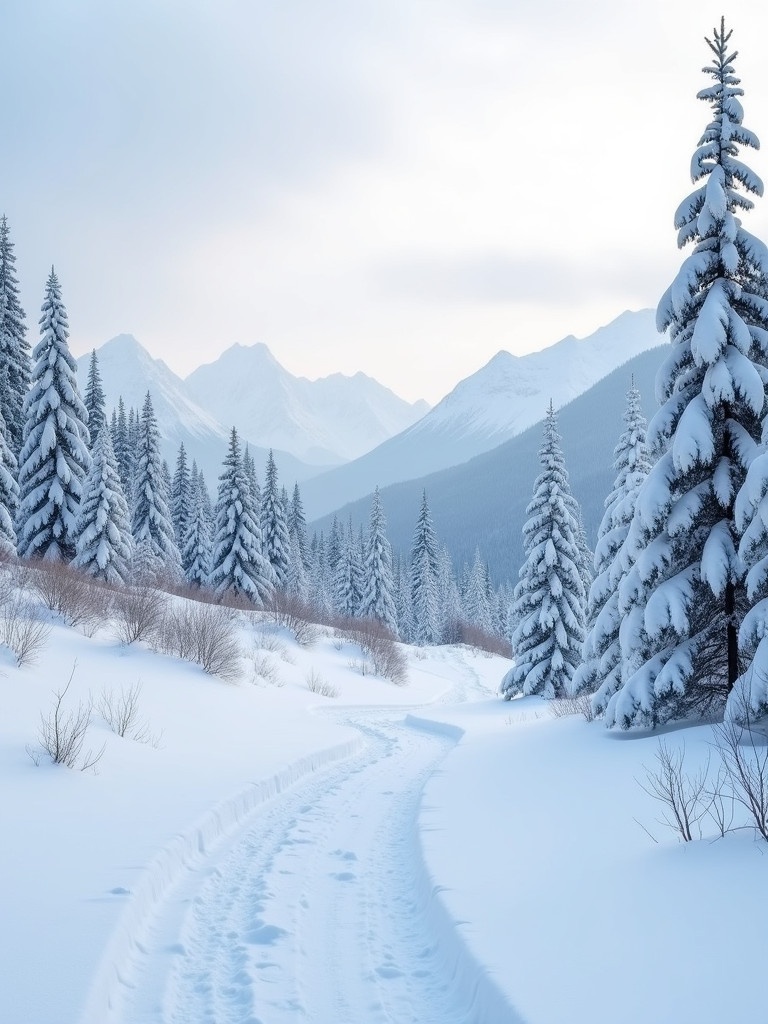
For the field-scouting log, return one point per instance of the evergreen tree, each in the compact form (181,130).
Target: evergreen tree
(296,583)
(477,605)
(424,580)
(348,578)
(549,597)
(297,523)
(449,599)
(14,347)
(205,499)
(334,545)
(155,554)
(122,446)
(54,458)
(238,564)
(180,498)
(196,553)
(94,400)
(274,531)
(687,580)
(404,602)
(9,494)
(378,587)
(320,586)
(103,529)
(601,666)
(253,481)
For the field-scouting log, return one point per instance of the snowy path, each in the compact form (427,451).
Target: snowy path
(321,911)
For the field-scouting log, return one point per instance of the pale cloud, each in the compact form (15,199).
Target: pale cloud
(402,188)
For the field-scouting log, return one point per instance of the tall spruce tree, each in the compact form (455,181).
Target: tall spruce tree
(425,612)
(122,446)
(14,347)
(348,578)
(156,554)
(180,497)
(601,667)
(196,552)
(549,609)
(688,579)
(274,530)
(104,543)
(378,585)
(9,494)
(54,457)
(238,564)
(93,399)
(297,522)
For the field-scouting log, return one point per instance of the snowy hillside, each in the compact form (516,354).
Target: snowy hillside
(325,421)
(498,402)
(127,369)
(481,503)
(257,851)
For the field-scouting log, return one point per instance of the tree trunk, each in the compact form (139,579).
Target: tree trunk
(732,638)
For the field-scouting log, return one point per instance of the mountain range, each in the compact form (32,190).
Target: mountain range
(482,503)
(247,388)
(501,399)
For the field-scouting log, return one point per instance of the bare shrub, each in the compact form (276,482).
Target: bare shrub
(685,798)
(564,707)
(138,614)
(466,633)
(264,670)
(21,628)
(62,732)
(70,594)
(317,684)
(745,759)
(380,644)
(203,633)
(268,641)
(292,613)
(121,713)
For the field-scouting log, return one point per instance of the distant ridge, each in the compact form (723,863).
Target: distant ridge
(502,399)
(482,503)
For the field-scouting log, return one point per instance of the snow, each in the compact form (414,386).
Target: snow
(424,852)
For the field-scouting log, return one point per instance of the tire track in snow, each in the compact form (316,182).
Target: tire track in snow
(323,911)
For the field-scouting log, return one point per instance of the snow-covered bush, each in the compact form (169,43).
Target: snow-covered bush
(292,613)
(21,628)
(319,685)
(205,634)
(120,711)
(69,593)
(138,614)
(380,644)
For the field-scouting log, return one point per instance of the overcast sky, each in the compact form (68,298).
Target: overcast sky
(402,187)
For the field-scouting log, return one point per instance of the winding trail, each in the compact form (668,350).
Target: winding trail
(321,909)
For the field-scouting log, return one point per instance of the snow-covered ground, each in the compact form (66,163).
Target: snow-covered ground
(420,853)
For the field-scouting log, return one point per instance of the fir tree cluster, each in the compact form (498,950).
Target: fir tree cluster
(675,621)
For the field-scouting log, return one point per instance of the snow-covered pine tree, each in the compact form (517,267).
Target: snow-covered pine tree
(155,551)
(688,580)
(297,522)
(449,599)
(180,497)
(601,667)
(476,600)
(348,579)
(196,553)
(238,564)
(93,399)
(549,597)
(403,601)
(334,545)
(320,583)
(274,531)
(9,494)
(14,347)
(249,465)
(205,499)
(123,452)
(424,572)
(54,457)
(378,586)
(296,583)
(104,543)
